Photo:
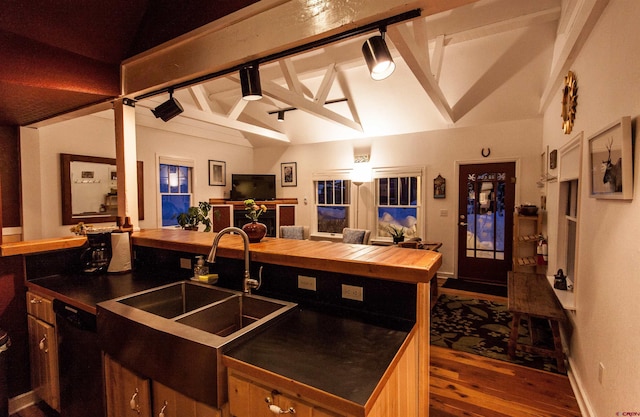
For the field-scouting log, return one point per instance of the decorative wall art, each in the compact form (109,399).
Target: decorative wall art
(288,174)
(217,172)
(439,187)
(610,161)
(569,102)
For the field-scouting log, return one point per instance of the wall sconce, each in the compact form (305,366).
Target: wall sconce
(250,82)
(169,109)
(378,58)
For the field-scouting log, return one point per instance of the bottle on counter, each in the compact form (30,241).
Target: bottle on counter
(200,268)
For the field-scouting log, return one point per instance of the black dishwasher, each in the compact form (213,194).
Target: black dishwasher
(79,361)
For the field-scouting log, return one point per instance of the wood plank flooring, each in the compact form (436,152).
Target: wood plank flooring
(463,384)
(468,385)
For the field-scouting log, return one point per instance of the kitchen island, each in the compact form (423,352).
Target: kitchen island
(391,278)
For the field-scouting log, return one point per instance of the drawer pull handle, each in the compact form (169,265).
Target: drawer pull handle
(162,410)
(43,344)
(35,301)
(277,410)
(133,403)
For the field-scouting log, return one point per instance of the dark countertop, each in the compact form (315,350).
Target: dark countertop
(338,355)
(85,291)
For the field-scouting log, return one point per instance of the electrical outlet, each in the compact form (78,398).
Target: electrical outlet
(352,292)
(306,283)
(600,372)
(185,263)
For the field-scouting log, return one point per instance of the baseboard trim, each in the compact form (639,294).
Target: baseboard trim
(22,401)
(576,384)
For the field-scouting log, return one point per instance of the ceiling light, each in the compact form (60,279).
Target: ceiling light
(250,81)
(378,58)
(281,115)
(169,109)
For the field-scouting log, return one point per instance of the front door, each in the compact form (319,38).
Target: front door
(485,221)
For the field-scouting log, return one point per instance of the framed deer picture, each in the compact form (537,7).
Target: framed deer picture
(610,156)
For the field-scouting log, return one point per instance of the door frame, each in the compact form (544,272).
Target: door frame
(456,174)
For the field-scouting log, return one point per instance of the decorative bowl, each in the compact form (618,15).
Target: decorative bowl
(528,210)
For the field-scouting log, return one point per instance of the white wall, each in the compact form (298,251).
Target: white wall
(95,136)
(437,151)
(607,329)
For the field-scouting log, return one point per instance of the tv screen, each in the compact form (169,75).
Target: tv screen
(256,186)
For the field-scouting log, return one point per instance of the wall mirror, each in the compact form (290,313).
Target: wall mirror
(90,190)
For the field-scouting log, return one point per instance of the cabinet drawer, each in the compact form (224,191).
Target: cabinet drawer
(40,307)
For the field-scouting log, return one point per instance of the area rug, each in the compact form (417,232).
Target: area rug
(465,285)
(482,327)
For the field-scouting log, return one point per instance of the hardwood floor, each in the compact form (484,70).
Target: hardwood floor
(463,384)
(468,385)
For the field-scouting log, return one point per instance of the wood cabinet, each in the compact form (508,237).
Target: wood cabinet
(43,349)
(526,233)
(131,395)
(250,398)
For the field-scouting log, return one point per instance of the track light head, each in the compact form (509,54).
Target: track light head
(281,115)
(169,109)
(378,58)
(250,82)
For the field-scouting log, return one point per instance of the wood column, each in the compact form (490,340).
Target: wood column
(125,129)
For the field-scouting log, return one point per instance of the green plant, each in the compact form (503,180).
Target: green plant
(253,210)
(196,215)
(396,232)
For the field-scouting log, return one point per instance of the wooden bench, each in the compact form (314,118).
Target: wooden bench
(531,296)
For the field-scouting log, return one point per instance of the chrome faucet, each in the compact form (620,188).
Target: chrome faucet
(248,283)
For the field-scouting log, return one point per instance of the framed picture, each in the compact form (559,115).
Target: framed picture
(439,187)
(288,174)
(217,172)
(610,161)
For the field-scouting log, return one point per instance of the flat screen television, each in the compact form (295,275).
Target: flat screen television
(256,186)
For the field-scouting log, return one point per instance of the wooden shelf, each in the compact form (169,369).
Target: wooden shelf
(526,233)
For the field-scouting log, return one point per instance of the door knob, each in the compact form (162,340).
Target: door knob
(462,223)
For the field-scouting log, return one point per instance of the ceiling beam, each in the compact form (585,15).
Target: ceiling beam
(418,61)
(585,16)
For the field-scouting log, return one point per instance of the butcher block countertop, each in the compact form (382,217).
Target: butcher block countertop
(386,262)
(41,245)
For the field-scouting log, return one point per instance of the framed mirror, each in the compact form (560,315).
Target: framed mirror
(90,191)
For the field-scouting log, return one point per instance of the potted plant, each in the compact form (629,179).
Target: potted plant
(397,233)
(191,219)
(256,231)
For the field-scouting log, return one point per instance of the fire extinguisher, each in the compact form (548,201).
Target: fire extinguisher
(542,251)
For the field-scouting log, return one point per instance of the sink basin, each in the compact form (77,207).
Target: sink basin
(177,333)
(231,315)
(174,300)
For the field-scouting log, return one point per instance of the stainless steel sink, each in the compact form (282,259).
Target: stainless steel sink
(176,334)
(173,300)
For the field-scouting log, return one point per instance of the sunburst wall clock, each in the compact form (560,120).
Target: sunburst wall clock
(569,102)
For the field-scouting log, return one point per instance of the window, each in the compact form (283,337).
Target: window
(175,189)
(569,226)
(332,205)
(397,204)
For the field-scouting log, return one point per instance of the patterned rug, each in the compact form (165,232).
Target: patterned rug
(482,327)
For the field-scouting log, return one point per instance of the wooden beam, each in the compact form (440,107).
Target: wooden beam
(325,86)
(418,62)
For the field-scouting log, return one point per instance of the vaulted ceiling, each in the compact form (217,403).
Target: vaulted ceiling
(484,62)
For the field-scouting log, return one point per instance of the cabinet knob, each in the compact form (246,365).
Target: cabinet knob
(35,301)
(164,407)
(43,344)
(133,402)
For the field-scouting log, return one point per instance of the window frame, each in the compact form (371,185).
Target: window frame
(338,175)
(188,163)
(399,172)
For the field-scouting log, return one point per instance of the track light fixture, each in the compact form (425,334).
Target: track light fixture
(281,115)
(169,109)
(250,82)
(378,58)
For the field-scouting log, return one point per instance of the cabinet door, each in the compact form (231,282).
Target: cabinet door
(173,404)
(127,394)
(43,351)
(247,399)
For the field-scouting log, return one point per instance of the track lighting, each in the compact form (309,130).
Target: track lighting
(378,58)
(169,109)
(250,82)
(281,115)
